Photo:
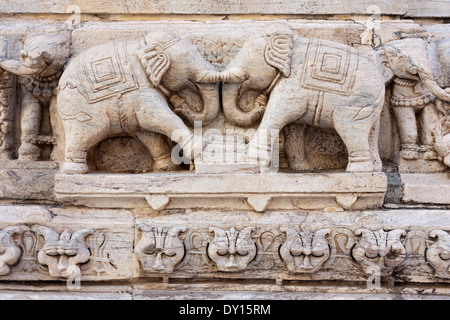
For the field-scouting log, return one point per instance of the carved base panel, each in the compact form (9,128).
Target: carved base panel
(27,180)
(327,191)
(426,188)
(79,244)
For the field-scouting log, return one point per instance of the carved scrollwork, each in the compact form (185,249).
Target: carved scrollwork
(63,253)
(380,249)
(304,251)
(438,253)
(160,248)
(232,250)
(9,251)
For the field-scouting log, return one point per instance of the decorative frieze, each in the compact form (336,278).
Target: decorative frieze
(438,253)
(63,253)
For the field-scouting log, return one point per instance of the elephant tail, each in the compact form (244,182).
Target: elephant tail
(367,111)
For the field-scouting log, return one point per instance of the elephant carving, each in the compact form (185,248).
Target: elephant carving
(40,67)
(417,99)
(290,79)
(124,88)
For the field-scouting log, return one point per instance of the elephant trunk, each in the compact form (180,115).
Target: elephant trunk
(209,93)
(232,101)
(19,68)
(429,82)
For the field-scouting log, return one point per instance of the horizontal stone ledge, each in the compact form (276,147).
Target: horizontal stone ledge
(335,191)
(310,7)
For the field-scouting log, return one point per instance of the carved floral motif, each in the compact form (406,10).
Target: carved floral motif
(380,250)
(160,249)
(438,253)
(232,250)
(9,251)
(63,253)
(304,251)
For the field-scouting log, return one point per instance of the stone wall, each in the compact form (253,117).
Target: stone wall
(104,210)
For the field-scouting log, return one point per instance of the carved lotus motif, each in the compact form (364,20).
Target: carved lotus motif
(305,252)
(232,250)
(438,253)
(160,249)
(381,249)
(9,251)
(63,253)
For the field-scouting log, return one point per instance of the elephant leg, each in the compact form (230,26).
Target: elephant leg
(428,120)
(153,114)
(407,127)
(373,144)
(159,149)
(294,144)
(30,123)
(360,136)
(276,117)
(79,139)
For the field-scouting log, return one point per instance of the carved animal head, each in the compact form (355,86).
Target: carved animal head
(176,64)
(408,59)
(63,253)
(232,250)
(381,249)
(251,75)
(305,252)
(42,54)
(160,249)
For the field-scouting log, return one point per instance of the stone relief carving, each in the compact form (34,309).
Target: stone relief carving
(7,108)
(63,253)
(122,88)
(309,81)
(416,96)
(10,252)
(160,249)
(305,251)
(438,253)
(42,61)
(379,251)
(232,250)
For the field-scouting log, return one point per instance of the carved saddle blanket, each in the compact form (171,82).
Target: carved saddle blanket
(329,67)
(107,73)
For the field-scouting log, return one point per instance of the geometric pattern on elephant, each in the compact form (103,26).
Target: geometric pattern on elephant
(107,75)
(329,67)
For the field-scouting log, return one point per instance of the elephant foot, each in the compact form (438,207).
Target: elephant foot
(164,165)
(74,168)
(360,166)
(193,146)
(410,152)
(29,152)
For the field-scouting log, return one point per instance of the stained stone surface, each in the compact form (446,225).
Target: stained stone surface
(224,149)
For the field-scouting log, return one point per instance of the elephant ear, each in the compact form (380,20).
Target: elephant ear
(155,61)
(278,52)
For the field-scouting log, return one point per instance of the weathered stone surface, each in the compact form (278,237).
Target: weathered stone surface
(109,244)
(207,7)
(426,188)
(332,191)
(266,140)
(27,181)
